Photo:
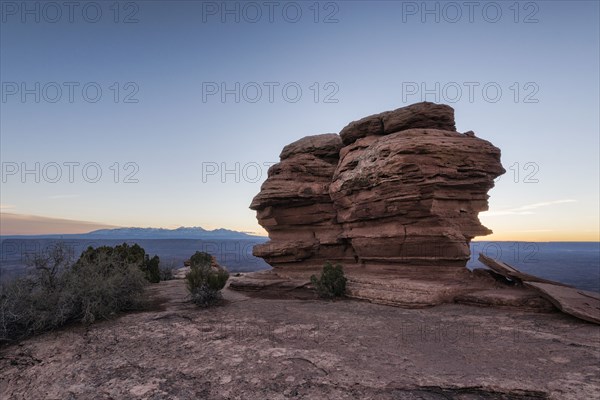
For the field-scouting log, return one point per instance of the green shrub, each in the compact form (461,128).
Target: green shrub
(204,281)
(123,256)
(332,282)
(102,282)
(152,269)
(204,296)
(106,285)
(201,258)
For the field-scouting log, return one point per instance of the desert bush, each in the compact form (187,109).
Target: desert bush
(204,281)
(201,258)
(151,268)
(101,283)
(50,263)
(166,274)
(27,308)
(123,256)
(106,284)
(37,302)
(204,296)
(331,283)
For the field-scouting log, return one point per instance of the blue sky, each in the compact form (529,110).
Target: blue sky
(158,116)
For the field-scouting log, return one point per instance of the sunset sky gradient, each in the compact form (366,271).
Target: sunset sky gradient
(157,155)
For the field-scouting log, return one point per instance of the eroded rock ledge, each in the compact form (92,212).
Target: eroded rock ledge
(394,198)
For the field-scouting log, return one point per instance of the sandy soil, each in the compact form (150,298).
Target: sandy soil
(254,348)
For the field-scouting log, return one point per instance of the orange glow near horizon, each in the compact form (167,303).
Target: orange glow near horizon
(540,236)
(20,224)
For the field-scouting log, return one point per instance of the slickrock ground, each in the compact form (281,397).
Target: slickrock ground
(256,348)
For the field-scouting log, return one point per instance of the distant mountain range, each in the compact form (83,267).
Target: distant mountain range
(195,232)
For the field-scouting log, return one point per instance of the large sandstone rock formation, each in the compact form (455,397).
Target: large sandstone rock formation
(394,198)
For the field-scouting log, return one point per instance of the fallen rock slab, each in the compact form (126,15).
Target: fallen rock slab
(512,273)
(578,303)
(582,304)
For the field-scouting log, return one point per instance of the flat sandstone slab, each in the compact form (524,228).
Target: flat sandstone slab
(512,273)
(579,303)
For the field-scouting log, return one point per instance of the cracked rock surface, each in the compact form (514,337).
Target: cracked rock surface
(252,348)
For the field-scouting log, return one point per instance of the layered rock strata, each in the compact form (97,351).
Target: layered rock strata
(394,198)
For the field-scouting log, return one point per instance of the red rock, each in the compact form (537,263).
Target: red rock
(294,204)
(402,191)
(404,197)
(419,115)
